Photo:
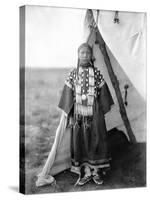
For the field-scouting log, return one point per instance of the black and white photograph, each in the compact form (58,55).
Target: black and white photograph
(83,99)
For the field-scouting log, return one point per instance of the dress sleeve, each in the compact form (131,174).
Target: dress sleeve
(67,97)
(104,96)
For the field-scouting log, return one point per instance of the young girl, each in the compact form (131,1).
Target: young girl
(85,100)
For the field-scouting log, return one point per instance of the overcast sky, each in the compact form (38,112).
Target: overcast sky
(53,36)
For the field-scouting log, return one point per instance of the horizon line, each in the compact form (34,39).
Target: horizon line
(48,67)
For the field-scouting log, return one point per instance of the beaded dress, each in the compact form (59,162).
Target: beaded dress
(86,99)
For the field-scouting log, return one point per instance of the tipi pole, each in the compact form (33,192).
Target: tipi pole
(115,83)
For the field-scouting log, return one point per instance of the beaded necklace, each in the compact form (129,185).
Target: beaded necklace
(84,91)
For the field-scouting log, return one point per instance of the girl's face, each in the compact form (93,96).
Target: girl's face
(84,55)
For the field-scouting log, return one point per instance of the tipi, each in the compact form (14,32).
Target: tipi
(125,45)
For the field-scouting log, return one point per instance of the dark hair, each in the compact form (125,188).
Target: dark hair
(85,45)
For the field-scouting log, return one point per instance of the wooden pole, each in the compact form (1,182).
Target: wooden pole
(115,83)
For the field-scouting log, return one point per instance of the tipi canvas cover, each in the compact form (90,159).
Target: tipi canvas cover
(126,46)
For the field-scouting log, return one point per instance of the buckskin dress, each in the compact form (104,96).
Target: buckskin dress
(86,99)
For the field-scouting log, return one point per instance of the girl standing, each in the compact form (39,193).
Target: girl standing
(85,100)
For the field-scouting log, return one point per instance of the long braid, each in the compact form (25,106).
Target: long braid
(77,74)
